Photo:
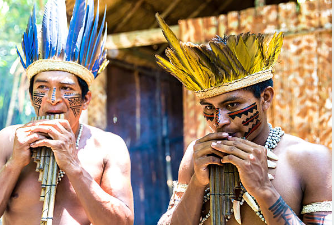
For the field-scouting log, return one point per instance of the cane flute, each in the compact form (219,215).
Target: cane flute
(48,170)
(224,180)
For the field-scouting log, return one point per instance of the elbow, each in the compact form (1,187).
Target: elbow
(128,217)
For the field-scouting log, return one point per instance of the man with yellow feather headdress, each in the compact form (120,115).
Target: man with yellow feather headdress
(93,185)
(280,179)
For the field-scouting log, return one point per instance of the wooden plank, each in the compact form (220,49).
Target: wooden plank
(138,38)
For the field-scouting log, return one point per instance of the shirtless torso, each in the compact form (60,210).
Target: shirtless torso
(24,206)
(302,175)
(98,157)
(295,177)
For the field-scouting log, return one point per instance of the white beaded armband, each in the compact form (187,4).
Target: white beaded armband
(179,187)
(325,206)
(178,190)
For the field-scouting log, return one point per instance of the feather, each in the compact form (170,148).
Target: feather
(74,29)
(92,37)
(101,58)
(62,27)
(243,54)
(88,26)
(95,52)
(22,62)
(53,29)
(45,31)
(174,43)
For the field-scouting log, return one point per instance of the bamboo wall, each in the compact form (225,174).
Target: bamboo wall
(303,75)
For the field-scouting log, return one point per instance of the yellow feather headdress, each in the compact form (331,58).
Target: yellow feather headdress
(224,64)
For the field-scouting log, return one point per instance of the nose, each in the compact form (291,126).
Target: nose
(52,97)
(221,119)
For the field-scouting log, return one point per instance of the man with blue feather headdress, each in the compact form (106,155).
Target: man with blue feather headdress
(94,184)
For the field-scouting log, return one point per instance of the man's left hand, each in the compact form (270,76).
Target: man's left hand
(250,160)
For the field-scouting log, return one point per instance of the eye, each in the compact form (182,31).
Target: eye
(67,88)
(232,105)
(208,107)
(42,87)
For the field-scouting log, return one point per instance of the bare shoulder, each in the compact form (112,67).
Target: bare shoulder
(112,145)
(7,139)
(313,164)
(186,169)
(302,152)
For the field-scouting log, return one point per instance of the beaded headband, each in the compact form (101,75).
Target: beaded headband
(78,50)
(224,64)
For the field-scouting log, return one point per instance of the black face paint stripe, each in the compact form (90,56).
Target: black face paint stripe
(253,128)
(209,116)
(251,119)
(244,111)
(75,102)
(37,100)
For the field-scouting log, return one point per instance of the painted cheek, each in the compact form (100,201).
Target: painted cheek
(208,116)
(75,102)
(37,99)
(251,118)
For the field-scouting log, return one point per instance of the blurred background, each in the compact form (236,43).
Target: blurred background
(149,109)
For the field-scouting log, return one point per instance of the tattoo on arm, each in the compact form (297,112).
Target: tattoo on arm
(319,218)
(281,210)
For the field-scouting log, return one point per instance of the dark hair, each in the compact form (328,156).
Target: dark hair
(258,88)
(83,85)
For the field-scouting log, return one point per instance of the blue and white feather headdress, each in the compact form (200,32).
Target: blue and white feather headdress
(78,50)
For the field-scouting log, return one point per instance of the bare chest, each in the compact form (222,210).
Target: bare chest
(25,206)
(286,182)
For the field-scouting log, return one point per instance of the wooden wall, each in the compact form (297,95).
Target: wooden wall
(144,107)
(303,74)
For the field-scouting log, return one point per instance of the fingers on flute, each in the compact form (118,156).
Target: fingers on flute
(209,160)
(49,143)
(50,130)
(237,149)
(206,149)
(213,136)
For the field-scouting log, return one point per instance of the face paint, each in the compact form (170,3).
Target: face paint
(75,102)
(244,111)
(53,97)
(217,118)
(253,128)
(251,119)
(37,100)
(209,116)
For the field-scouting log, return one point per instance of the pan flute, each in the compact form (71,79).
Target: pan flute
(48,174)
(224,181)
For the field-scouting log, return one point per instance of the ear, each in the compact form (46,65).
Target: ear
(267,98)
(86,100)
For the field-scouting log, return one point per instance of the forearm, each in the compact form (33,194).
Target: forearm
(9,175)
(188,211)
(100,207)
(275,209)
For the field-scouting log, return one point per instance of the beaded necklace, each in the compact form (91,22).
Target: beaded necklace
(274,137)
(61,173)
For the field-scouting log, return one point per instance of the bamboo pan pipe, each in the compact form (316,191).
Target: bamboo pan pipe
(223,182)
(48,173)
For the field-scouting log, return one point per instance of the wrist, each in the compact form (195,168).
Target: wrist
(196,182)
(14,164)
(267,196)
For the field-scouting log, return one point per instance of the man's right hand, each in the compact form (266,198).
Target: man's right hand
(205,155)
(21,149)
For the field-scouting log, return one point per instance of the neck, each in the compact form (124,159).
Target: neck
(75,129)
(261,138)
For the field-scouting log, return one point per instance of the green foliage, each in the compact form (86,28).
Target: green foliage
(14,16)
